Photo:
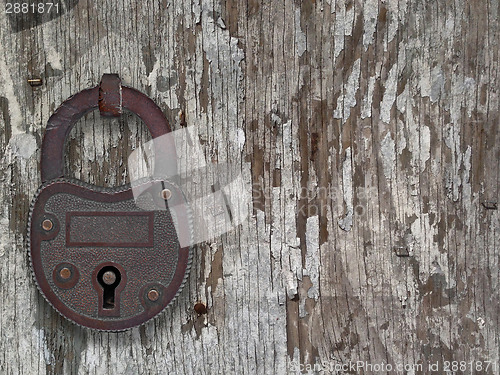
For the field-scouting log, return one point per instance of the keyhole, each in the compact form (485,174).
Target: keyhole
(109,278)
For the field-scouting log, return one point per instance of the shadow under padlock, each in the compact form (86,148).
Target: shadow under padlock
(101,260)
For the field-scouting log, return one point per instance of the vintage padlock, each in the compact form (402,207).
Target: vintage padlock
(99,258)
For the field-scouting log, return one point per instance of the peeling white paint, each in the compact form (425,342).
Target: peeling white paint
(197,11)
(389,94)
(23,145)
(41,340)
(220,48)
(349,16)
(462,94)
(312,257)
(52,55)
(388,154)
(349,98)
(342,27)
(225,56)
(396,16)
(4,235)
(240,139)
(300,36)
(292,270)
(366,107)
(403,99)
(221,23)
(438,82)
(480,322)
(302,308)
(370,14)
(284,240)
(402,294)
(466,186)
(401,137)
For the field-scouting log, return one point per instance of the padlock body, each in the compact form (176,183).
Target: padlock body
(100,259)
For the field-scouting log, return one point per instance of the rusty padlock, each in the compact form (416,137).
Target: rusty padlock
(98,258)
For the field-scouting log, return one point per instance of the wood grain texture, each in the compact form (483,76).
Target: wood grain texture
(369,132)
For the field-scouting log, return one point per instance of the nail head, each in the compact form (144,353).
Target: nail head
(47,225)
(153,295)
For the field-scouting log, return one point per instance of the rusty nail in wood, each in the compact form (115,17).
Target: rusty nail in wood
(490,205)
(109,277)
(35,82)
(166,194)
(200,308)
(401,252)
(153,295)
(65,273)
(47,225)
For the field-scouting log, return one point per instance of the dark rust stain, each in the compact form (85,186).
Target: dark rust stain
(200,308)
(276,177)
(382,14)
(110,96)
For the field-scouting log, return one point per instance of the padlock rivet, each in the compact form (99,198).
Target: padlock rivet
(166,194)
(109,277)
(47,225)
(65,273)
(153,295)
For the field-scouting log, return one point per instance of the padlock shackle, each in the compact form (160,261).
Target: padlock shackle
(70,111)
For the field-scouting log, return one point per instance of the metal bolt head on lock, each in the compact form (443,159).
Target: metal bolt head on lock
(98,258)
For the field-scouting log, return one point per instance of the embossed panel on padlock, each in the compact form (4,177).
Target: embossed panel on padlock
(98,257)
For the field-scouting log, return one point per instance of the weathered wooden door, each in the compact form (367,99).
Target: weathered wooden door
(369,133)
